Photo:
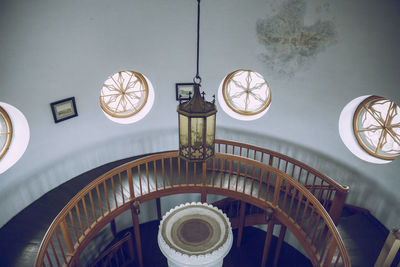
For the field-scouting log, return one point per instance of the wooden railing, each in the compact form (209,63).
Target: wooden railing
(165,174)
(331,194)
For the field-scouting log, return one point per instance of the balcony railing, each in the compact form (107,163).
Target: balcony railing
(152,177)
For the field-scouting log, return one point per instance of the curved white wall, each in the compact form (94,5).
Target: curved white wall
(57,49)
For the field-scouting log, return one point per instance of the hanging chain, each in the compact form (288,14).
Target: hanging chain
(197,79)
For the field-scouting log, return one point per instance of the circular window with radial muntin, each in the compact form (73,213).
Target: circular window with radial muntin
(124,94)
(376,125)
(5,132)
(246,92)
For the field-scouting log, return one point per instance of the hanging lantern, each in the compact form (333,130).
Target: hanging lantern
(196,119)
(196,127)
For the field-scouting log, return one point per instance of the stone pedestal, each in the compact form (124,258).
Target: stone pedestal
(195,234)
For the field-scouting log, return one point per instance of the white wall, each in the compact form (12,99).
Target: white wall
(50,50)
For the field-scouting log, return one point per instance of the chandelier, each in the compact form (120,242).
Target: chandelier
(196,118)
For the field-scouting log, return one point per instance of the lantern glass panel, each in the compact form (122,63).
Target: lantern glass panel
(210,130)
(197,131)
(183,130)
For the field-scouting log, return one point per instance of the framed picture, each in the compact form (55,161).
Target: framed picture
(64,109)
(183,89)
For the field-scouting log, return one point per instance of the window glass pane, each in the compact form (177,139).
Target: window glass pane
(124,94)
(376,127)
(246,92)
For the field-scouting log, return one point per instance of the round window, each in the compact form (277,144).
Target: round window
(376,125)
(124,94)
(246,92)
(5,132)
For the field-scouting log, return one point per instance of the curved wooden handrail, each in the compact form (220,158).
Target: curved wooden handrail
(330,193)
(165,174)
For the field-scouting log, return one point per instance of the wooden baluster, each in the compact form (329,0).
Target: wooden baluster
(252,180)
(66,236)
(230,173)
(80,220)
(171,176)
(73,226)
(136,230)
(194,173)
(282,233)
(148,178)
(158,203)
(99,200)
(267,244)
(242,218)
(54,253)
(328,197)
(89,223)
(204,191)
(130,181)
(213,173)
(330,253)
(293,195)
(306,182)
(298,206)
(140,180)
(301,169)
(122,188)
(321,190)
(48,259)
(187,172)
(314,235)
(114,191)
(304,212)
(325,244)
(60,246)
(310,219)
(277,190)
(260,183)
(245,177)
(238,175)
(288,188)
(155,174)
(179,171)
(106,196)
(92,206)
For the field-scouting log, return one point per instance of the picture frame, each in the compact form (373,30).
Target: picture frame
(183,89)
(64,109)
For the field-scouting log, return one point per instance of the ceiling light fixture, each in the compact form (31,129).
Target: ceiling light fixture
(196,119)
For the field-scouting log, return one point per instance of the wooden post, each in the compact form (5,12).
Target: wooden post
(279,244)
(113,228)
(267,244)
(158,203)
(337,206)
(136,229)
(241,222)
(389,249)
(203,182)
